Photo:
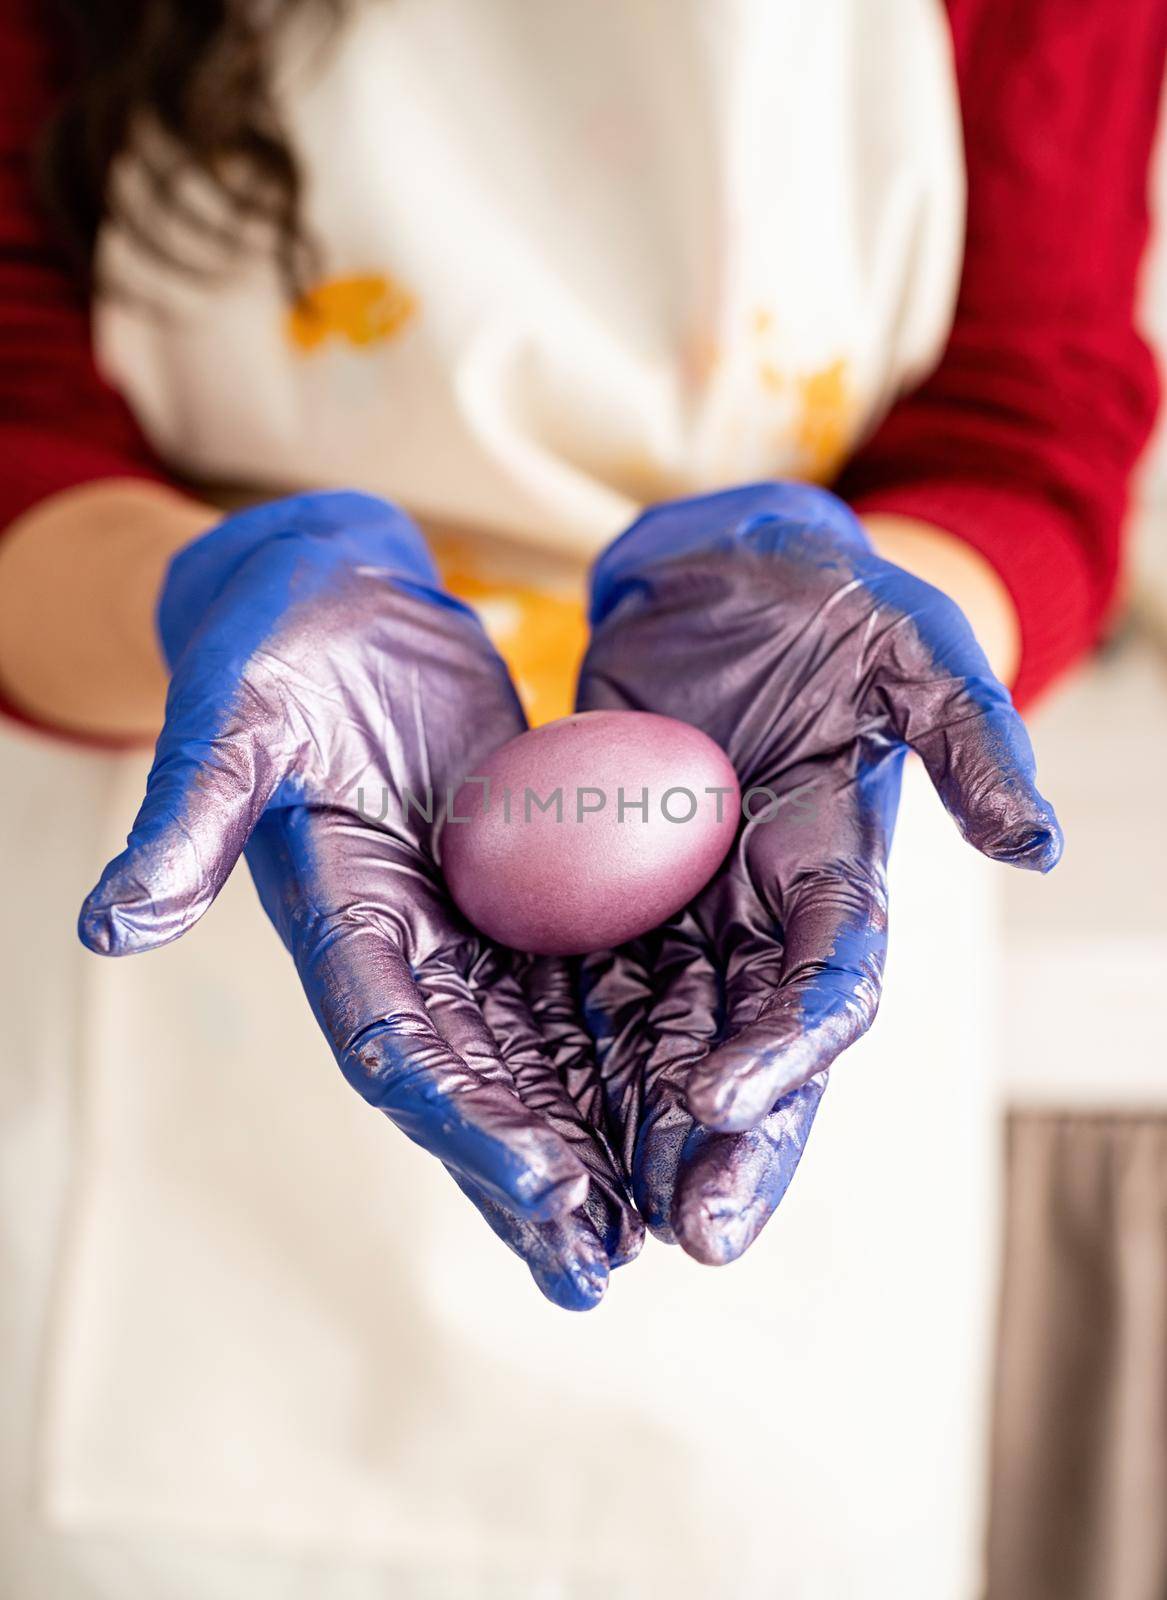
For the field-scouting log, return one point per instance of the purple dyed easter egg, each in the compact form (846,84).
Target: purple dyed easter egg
(588,831)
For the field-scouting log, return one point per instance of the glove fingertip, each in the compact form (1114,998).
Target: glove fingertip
(97,930)
(711,1234)
(110,927)
(114,930)
(1017,830)
(730,1104)
(1034,847)
(566,1258)
(717,1216)
(731,1185)
(576,1283)
(125,913)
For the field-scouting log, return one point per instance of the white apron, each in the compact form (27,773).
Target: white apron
(577,256)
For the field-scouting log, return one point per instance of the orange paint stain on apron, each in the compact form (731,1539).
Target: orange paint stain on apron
(823,431)
(363,310)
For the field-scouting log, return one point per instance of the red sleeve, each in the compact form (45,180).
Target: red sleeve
(1023,440)
(60,425)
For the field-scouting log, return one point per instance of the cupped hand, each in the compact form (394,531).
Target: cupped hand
(763,616)
(326,694)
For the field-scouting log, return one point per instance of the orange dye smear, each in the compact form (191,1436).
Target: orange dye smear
(362,310)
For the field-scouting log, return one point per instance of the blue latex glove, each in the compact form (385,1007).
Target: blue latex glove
(763,616)
(325,692)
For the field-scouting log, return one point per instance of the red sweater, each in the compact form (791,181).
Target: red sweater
(1021,442)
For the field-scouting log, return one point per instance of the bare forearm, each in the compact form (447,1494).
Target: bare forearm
(963,574)
(79,579)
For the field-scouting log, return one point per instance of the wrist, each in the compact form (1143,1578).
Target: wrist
(762,514)
(949,564)
(79,578)
(334,530)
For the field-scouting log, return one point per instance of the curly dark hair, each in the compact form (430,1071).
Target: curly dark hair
(197,72)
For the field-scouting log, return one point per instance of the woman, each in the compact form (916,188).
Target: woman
(521,273)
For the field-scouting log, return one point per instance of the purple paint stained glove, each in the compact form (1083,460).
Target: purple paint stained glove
(763,616)
(325,693)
